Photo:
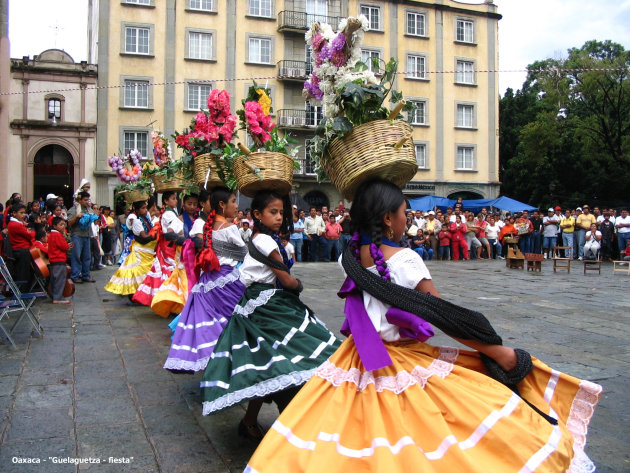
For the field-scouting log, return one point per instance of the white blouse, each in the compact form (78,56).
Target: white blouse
(252,270)
(197,228)
(129,222)
(170,220)
(406,269)
(231,235)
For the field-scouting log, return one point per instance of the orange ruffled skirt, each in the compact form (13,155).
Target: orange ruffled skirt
(433,410)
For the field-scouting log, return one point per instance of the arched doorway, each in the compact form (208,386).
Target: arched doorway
(317,199)
(53,173)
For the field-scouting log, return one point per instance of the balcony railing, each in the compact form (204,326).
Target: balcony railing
(306,166)
(294,70)
(296,118)
(301,21)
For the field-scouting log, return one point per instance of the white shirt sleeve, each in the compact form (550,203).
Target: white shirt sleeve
(265,244)
(170,220)
(197,228)
(137,227)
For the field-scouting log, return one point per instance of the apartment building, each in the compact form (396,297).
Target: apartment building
(158,59)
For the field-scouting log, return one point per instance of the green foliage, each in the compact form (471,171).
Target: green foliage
(565,136)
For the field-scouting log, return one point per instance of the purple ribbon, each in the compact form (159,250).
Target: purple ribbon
(369,344)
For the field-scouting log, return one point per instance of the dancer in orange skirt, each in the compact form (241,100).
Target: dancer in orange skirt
(388,402)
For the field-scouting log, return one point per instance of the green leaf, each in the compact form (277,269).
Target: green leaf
(342,125)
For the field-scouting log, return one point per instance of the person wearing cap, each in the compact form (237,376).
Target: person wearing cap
(567,227)
(550,232)
(582,225)
(431,228)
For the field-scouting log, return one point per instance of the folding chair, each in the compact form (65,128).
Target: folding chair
(6,307)
(24,301)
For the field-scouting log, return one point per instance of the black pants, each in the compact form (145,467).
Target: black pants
(22,268)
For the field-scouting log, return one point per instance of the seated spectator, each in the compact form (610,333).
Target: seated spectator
(472,241)
(592,244)
(21,239)
(421,245)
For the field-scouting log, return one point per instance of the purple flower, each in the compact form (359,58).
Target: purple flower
(324,53)
(338,42)
(338,58)
(312,87)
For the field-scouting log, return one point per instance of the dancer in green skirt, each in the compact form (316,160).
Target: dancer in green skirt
(273,343)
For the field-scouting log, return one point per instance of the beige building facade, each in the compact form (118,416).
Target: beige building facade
(158,60)
(51,140)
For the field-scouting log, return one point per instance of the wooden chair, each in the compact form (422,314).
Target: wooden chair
(593,265)
(561,262)
(621,267)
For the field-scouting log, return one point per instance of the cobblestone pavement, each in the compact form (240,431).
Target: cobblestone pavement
(94,387)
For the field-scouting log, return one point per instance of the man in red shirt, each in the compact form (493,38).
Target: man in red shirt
(333,233)
(21,239)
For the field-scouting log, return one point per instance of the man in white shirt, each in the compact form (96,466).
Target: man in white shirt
(622,225)
(314,228)
(418,219)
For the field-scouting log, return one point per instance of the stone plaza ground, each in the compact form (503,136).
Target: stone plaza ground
(94,387)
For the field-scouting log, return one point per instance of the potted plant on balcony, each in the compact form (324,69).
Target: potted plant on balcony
(128,169)
(205,141)
(269,163)
(359,136)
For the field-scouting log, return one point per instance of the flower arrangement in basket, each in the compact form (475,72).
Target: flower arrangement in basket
(129,171)
(165,172)
(359,137)
(270,163)
(205,141)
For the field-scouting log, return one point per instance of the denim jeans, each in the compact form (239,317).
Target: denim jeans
(317,244)
(336,246)
(445,253)
(580,239)
(496,248)
(297,245)
(526,243)
(345,239)
(622,239)
(567,240)
(424,253)
(549,242)
(81,256)
(536,242)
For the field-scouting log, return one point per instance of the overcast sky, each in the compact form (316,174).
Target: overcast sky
(530,29)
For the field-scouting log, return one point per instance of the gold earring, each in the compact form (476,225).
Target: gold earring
(389,234)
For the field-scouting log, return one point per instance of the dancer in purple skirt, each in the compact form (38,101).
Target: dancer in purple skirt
(213,298)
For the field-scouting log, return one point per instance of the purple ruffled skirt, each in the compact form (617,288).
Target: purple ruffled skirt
(208,309)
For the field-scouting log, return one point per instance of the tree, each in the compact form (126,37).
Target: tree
(569,127)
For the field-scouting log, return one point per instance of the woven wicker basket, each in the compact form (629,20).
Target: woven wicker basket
(273,171)
(382,148)
(135,196)
(176,183)
(201,164)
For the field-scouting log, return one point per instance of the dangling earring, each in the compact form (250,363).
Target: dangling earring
(389,234)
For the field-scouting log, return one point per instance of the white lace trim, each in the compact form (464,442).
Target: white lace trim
(258,390)
(403,380)
(171,287)
(252,304)
(186,365)
(219,282)
(580,416)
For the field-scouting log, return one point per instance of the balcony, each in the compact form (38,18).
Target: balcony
(307,167)
(299,119)
(294,70)
(299,22)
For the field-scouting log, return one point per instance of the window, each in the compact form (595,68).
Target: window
(464,31)
(203,5)
(366,57)
(54,109)
(465,72)
(259,8)
(465,116)
(416,24)
(416,67)
(136,94)
(419,115)
(314,114)
(373,15)
(197,96)
(465,158)
(260,50)
(200,46)
(421,155)
(136,40)
(136,140)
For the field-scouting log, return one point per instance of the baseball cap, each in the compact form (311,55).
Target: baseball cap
(558,207)
(579,208)
(51,196)
(550,209)
(431,212)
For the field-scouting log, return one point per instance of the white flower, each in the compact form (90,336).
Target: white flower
(364,22)
(342,24)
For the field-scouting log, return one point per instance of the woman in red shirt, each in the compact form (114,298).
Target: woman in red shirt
(458,239)
(21,239)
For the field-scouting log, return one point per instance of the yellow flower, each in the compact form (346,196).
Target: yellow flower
(264,101)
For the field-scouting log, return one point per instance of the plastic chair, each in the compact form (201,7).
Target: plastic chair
(19,302)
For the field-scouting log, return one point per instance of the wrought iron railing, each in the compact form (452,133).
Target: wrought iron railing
(296,118)
(297,20)
(289,69)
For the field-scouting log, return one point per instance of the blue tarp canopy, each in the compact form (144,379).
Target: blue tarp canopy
(429,202)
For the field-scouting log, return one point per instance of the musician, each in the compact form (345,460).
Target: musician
(57,254)
(21,239)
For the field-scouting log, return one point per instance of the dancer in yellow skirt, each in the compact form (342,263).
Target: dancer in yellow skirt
(388,402)
(134,269)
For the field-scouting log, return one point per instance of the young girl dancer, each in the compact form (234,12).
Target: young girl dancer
(386,401)
(273,343)
(212,299)
(164,262)
(134,269)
